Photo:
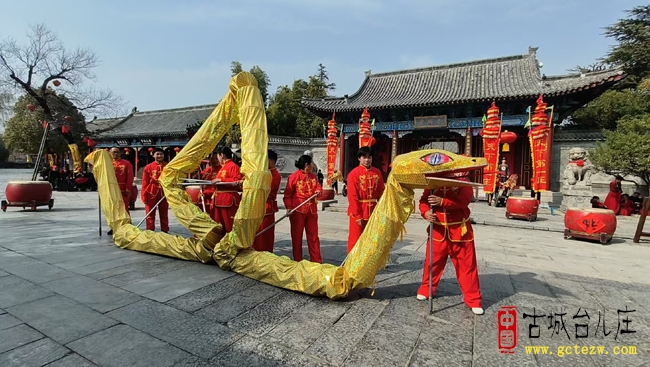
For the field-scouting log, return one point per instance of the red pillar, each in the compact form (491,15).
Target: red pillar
(137,156)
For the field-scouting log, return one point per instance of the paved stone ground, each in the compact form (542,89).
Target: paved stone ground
(71,298)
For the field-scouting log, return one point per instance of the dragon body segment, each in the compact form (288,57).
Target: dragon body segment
(243,104)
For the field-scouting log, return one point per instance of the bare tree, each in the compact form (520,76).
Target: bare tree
(43,62)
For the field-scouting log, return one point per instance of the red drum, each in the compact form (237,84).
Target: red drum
(522,208)
(195,194)
(28,194)
(591,224)
(327,194)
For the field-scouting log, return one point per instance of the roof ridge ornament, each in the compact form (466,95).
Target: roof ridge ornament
(532,50)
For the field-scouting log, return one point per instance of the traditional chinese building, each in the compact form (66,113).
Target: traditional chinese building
(436,107)
(141,131)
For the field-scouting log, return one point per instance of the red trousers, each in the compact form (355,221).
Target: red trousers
(264,242)
(163,209)
(354,233)
(463,256)
(225,216)
(308,223)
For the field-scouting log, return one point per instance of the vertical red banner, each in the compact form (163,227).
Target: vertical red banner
(331,160)
(491,136)
(539,149)
(332,147)
(507,327)
(491,154)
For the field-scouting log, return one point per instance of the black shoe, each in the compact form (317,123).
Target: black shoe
(110,233)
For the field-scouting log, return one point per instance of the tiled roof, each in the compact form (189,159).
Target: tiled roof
(513,77)
(161,123)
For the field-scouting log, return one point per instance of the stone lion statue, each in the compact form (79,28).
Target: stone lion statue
(579,168)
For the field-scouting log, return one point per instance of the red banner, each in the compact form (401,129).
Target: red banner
(332,147)
(538,150)
(490,134)
(491,154)
(331,160)
(538,137)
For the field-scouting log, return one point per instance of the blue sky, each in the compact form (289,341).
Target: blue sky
(168,54)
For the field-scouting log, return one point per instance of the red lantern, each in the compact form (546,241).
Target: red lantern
(91,143)
(68,118)
(177,149)
(150,151)
(31,107)
(56,83)
(126,151)
(65,129)
(507,138)
(85,139)
(44,124)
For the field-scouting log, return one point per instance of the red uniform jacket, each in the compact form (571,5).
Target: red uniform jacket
(226,197)
(452,216)
(300,187)
(124,174)
(150,185)
(365,187)
(271,203)
(209,174)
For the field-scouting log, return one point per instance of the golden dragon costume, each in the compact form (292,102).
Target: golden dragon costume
(243,104)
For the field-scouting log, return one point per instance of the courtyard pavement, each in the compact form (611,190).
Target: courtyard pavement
(69,297)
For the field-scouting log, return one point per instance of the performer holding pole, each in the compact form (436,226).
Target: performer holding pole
(152,193)
(365,187)
(303,184)
(450,235)
(264,240)
(209,174)
(124,175)
(226,201)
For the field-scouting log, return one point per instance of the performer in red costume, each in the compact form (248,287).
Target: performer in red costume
(301,185)
(227,198)
(365,187)
(264,242)
(613,199)
(152,192)
(124,174)
(627,206)
(210,173)
(452,237)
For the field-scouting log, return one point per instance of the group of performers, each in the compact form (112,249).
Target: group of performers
(446,209)
(622,204)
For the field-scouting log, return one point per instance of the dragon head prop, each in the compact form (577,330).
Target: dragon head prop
(434,168)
